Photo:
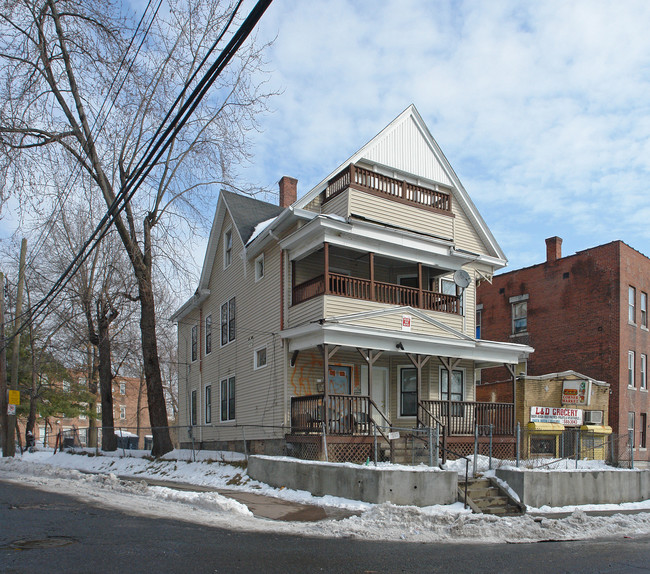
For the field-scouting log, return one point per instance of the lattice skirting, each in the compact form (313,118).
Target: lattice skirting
(339,449)
(501,447)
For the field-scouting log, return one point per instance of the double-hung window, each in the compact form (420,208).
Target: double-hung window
(260,358)
(228,399)
(227,248)
(208,404)
(644,372)
(228,322)
(630,368)
(193,407)
(208,334)
(456,392)
(408,392)
(195,342)
(631,304)
(644,309)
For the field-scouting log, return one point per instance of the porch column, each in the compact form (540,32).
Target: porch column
(326,367)
(326,272)
(418,362)
(371,258)
(449,365)
(512,369)
(420,294)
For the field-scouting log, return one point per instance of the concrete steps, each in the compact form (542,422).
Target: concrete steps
(486,497)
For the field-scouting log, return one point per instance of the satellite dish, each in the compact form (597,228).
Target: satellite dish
(462,278)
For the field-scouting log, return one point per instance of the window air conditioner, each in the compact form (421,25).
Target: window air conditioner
(593,417)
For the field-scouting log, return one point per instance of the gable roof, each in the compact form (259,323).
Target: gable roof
(247,212)
(425,160)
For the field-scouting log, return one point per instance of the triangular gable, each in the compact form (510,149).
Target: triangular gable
(246,213)
(424,159)
(361,318)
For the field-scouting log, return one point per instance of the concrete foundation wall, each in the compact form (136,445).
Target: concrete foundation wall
(577,487)
(366,483)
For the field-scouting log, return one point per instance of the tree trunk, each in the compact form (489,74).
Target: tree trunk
(157,407)
(92,388)
(109,440)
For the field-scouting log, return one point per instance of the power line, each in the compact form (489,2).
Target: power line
(155,151)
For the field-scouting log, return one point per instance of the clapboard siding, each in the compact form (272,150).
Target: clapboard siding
(400,215)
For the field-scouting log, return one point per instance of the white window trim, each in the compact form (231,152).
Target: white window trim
(205,335)
(225,247)
(631,307)
(227,421)
(259,277)
(643,381)
(631,362)
(400,368)
(227,303)
(462,370)
(205,405)
(122,412)
(255,365)
(122,388)
(193,359)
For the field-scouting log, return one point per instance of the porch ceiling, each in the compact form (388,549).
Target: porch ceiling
(371,237)
(483,353)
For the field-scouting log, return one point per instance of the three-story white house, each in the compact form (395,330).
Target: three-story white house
(347,312)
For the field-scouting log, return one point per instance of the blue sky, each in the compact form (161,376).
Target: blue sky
(542,108)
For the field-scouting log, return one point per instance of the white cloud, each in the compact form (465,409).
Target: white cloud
(541,108)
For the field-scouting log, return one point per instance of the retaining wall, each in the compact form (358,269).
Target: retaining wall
(367,483)
(575,487)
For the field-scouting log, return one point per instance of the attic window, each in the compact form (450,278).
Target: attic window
(259,267)
(227,248)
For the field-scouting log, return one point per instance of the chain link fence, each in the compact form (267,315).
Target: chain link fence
(408,446)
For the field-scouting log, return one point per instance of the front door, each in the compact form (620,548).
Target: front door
(339,380)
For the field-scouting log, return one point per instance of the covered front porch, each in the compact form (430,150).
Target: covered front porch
(357,383)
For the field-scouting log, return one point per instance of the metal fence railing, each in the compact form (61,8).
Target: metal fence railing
(409,446)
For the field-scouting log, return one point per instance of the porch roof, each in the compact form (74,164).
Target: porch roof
(484,353)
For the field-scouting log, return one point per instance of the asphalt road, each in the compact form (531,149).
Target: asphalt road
(52,533)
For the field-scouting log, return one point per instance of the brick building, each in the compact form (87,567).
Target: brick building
(587,312)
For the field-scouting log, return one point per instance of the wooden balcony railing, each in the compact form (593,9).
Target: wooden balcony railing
(460,417)
(384,186)
(346,415)
(389,293)
(355,415)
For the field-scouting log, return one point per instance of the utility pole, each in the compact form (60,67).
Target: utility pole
(4,402)
(10,446)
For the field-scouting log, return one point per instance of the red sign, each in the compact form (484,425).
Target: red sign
(406,322)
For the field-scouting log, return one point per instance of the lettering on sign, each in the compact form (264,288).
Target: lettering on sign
(393,435)
(406,322)
(563,415)
(576,392)
(14,397)
(11,409)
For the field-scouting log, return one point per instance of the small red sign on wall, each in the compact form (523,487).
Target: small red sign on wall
(406,322)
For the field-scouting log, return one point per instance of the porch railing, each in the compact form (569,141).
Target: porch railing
(382,185)
(389,293)
(460,417)
(346,415)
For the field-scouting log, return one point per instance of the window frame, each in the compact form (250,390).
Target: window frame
(207,411)
(457,410)
(631,366)
(643,382)
(518,330)
(631,421)
(122,388)
(256,363)
(227,402)
(193,408)
(208,334)
(631,305)
(643,431)
(478,322)
(259,274)
(227,248)
(122,412)
(194,343)
(401,392)
(228,316)
(643,306)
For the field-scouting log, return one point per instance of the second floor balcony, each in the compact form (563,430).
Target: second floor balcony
(346,273)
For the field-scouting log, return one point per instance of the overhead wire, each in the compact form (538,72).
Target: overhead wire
(155,151)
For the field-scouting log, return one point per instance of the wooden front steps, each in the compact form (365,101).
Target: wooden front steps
(485,496)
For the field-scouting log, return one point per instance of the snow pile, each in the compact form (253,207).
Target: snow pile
(71,474)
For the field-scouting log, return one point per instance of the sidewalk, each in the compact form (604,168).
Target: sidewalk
(261,506)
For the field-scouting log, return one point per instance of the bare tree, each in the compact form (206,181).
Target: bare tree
(62,65)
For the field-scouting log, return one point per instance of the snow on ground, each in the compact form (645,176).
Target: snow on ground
(70,474)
